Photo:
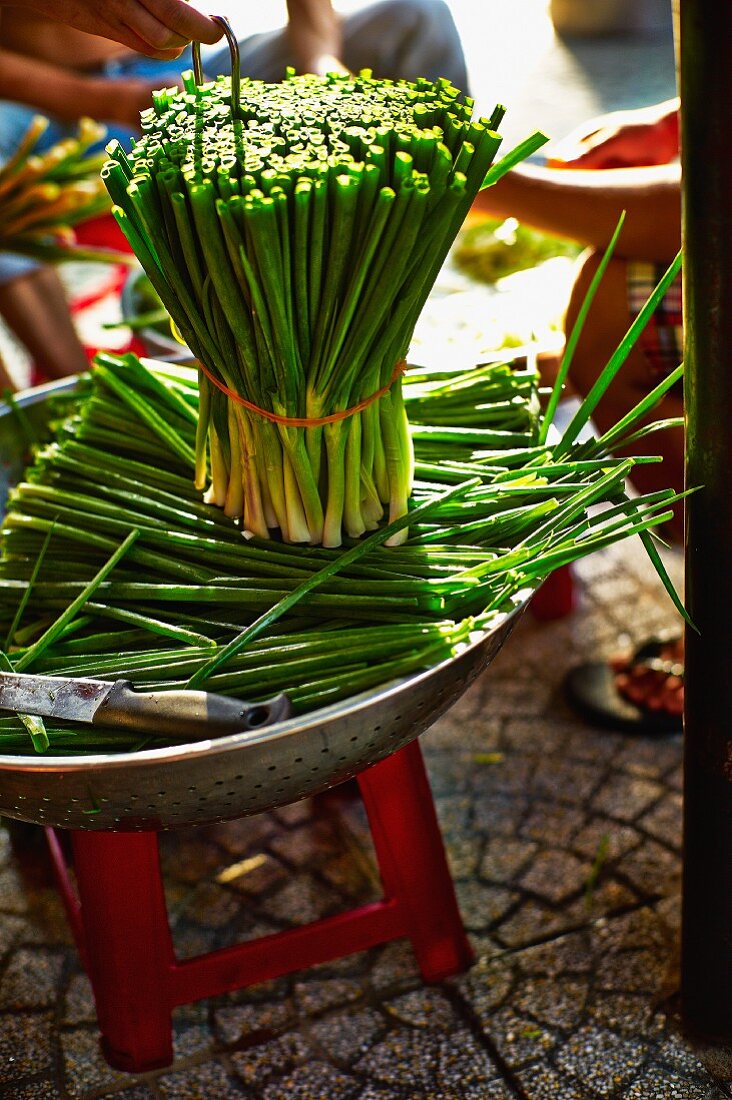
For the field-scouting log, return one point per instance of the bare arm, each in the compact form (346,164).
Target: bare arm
(585,206)
(157,28)
(315,36)
(623,139)
(68,95)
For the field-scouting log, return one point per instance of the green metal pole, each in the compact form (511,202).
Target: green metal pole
(706,123)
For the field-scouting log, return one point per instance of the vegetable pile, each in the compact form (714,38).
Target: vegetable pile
(112,565)
(294,235)
(42,196)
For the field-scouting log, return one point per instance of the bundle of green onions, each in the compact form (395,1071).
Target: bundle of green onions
(42,196)
(112,566)
(294,235)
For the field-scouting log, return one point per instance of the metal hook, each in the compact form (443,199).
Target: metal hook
(235,63)
(197,66)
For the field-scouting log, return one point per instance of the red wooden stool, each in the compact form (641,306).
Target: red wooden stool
(556,597)
(120,921)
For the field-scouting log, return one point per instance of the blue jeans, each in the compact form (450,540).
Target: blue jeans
(395,38)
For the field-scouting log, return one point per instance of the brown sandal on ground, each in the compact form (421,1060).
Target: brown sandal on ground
(642,695)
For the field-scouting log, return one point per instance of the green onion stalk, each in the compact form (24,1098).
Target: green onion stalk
(112,566)
(44,195)
(294,244)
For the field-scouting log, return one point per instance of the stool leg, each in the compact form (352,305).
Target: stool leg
(128,945)
(556,598)
(412,860)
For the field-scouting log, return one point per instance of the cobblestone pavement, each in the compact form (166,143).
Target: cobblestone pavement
(564,846)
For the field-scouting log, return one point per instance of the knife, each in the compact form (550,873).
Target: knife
(179,714)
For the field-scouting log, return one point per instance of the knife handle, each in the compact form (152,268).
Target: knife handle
(187,714)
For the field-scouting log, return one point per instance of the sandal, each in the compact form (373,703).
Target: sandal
(592,690)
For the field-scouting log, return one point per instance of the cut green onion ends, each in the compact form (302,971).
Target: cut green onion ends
(294,247)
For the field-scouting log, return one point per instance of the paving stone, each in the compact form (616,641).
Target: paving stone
(188,857)
(464,1068)
(301,900)
(296,813)
(31,979)
(627,1013)
(463,854)
(427,1008)
(627,797)
(511,776)
(481,906)
(534,921)
(314,996)
(472,726)
(552,824)
(12,929)
(13,898)
(313,1082)
(201,1083)
(453,812)
(308,846)
(258,1064)
(658,1083)
(651,758)
(239,837)
(485,987)
(600,1059)
(191,1034)
(45,1089)
(405,1057)
(347,1036)
(354,876)
(394,965)
(79,1007)
(378,1092)
(499,814)
(566,780)
(138,1092)
(505,857)
(571,954)
(212,907)
(543,1082)
(519,1038)
(601,834)
(84,1066)
(555,1004)
(555,875)
(26,1045)
(234,1023)
(664,820)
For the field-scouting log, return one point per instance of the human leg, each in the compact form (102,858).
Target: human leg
(35,308)
(407,39)
(396,38)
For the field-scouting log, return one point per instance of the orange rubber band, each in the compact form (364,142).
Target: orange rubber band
(304,421)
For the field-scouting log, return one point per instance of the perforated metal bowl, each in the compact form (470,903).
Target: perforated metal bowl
(236,775)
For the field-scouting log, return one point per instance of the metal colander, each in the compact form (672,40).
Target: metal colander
(229,777)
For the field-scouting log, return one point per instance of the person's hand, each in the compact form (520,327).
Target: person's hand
(623,139)
(156,28)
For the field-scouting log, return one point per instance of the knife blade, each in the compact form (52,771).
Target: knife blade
(179,714)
